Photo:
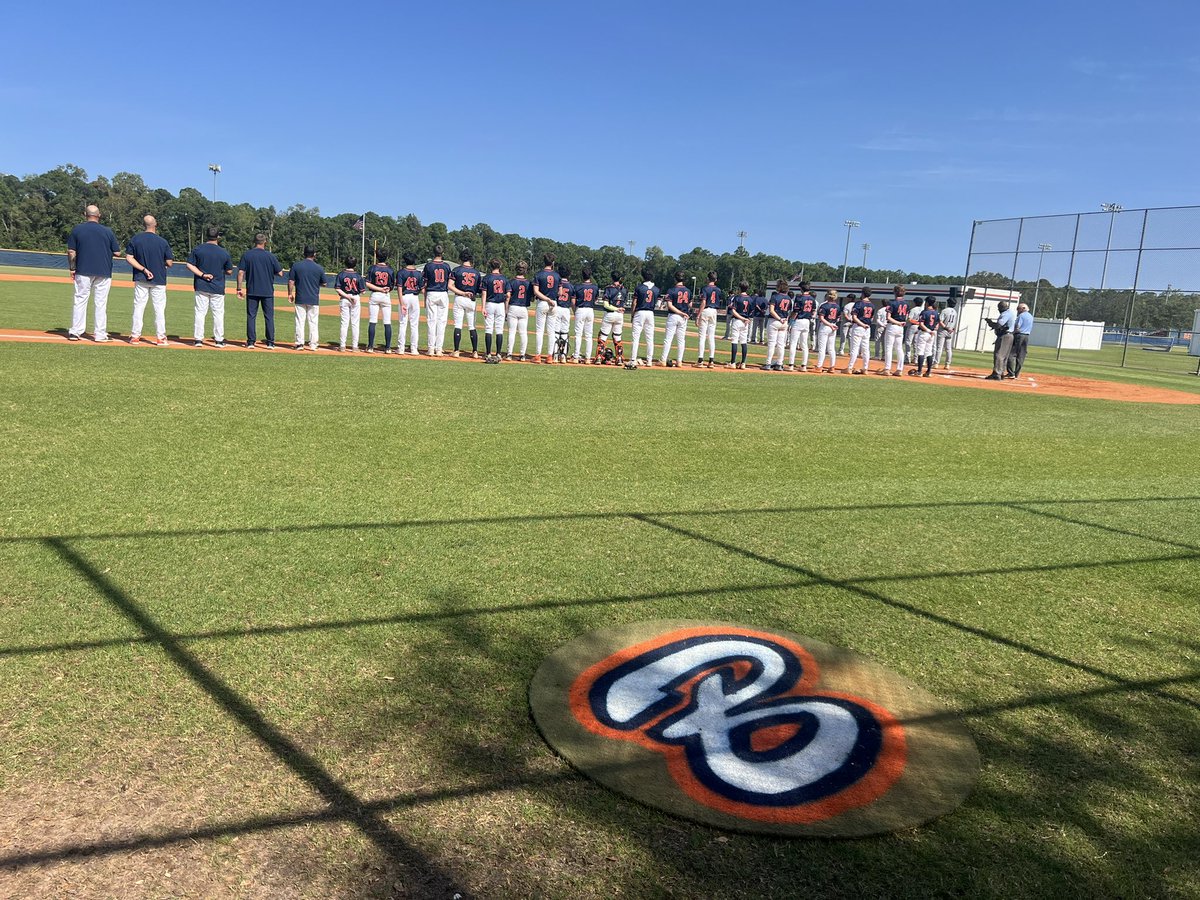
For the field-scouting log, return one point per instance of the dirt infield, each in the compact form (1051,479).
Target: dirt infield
(1053,385)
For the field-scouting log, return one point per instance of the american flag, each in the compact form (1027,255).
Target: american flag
(361,223)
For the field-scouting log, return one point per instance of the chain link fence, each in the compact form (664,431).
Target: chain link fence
(1119,287)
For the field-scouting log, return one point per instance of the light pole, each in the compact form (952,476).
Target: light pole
(1042,248)
(866,247)
(216,170)
(1112,209)
(850,224)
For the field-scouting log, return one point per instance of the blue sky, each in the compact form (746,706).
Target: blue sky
(677,124)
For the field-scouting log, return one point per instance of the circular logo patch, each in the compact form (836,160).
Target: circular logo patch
(752,730)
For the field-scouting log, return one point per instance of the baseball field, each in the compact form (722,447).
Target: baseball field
(268,620)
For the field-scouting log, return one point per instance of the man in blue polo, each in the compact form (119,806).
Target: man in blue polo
(150,256)
(90,251)
(1020,344)
(304,289)
(209,264)
(257,270)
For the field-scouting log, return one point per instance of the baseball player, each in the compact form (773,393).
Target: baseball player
(804,309)
(779,310)
(828,314)
(679,310)
(520,290)
(739,312)
(305,281)
(465,282)
(844,323)
(613,322)
(645,298)
(411,282)
(862,317)
(257,270)
(545,291)
(947,325)
(150,257)
(584,299)
(495,309)
(437,300)
(381,281)
(927,324)
(349,286)
(911,328)
(758,319)
(90,251)
(710,302)
(209,263)
(893,336)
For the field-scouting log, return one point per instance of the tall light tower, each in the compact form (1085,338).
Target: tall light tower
(630,243)
(866,247)
(741,240)
(1042,248)
(850,224)
(216,170)
(1112,209)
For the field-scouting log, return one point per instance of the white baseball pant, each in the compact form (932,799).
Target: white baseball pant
(738,331)
(560,326)
(204,303)
(585,319)
(612,324)
(157,295)
(464,311)
(798,334)
(643,326)
(306,314)
(826,343)
(493,318)
(707,322)
(541,320)
(776,340)
(893,347)
(945,340)
(349,316)
(860,345)
(676,329)
(518,323)
(379,308)
(437,304)
(410,320)
(85,285)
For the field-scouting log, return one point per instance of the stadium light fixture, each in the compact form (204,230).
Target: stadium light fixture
(1042,248)
(216,170)
(866,247)
(1112,209)
(850,225)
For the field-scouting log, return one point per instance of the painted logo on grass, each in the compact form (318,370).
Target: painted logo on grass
(761,731)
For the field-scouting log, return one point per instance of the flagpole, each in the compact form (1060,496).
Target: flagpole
(362,258)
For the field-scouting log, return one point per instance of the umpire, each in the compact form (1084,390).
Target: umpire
(1002,325)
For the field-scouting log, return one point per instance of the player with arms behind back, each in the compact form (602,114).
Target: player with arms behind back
(520,290)
(381,281)
(613,322)
(679,310)
(545,291)
(495,309)
(804,309)
(645,298)
(828,314)
(349,286)
(740,310)
(437,300)
(465,283)
(710,302)
(411,282)
(585,296)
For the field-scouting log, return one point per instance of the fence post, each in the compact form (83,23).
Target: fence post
(1067,291)
(1137,270)
(962,301)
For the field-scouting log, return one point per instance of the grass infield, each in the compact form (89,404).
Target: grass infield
(268,622)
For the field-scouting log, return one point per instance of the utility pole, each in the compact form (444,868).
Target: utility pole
(866,247)
(850,224)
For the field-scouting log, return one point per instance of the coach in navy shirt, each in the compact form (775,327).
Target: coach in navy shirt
(304,289)
(149,256)
(257,270)
(90,251)
(209,264)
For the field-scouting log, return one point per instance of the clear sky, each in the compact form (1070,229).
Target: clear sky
(669,123)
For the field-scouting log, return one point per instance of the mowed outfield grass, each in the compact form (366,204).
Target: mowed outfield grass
(268,621)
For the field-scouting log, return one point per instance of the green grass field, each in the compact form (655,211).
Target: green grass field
(268,621)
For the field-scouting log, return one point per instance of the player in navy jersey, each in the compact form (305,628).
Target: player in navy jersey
(465,284)
(758,319)
(545,291)
(613,323)
(927,326)
(645,299)
(381,281)
(679,310)
(862,317)
(740,310)
(560,317)
(209,263)
(710,302)
(437,300)
(411,281)
(520,292)
(893,335)
(349,286)
(804,311)
(779,310)
(828,314)
(584,298)
(495,309)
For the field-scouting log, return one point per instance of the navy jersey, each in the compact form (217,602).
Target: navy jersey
(546,281)
(615,295)
(411,281)
(898,309)
(309,278)
(152,252)
(520,290)
(382,277)
(864,310)
(781,303)
(681,298)
(829,311)
(929,318)
(805,307)
(215,260)
(261,266)
(437,276)
(467,279)
(710,296)
(742,304)
(645,296)
(564,292)
(350,283)
(759,307)
(495,288)
(586,295)
(94,245)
